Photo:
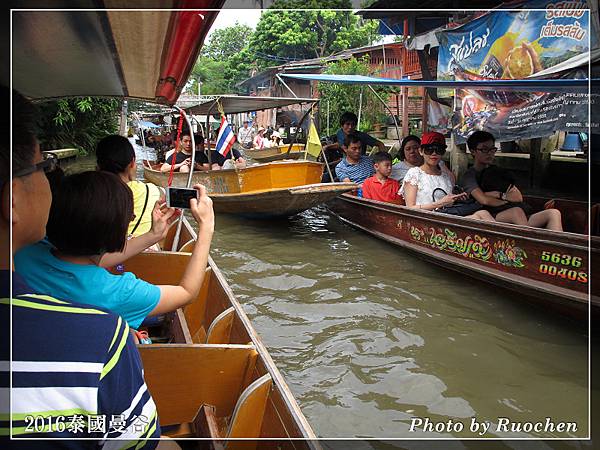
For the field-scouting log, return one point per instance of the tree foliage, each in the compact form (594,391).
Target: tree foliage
(346,97)
(78,122)
(283,35)
(227,42)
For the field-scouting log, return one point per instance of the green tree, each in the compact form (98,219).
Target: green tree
(346,97)
(283,35)
(77,122)
(227,42)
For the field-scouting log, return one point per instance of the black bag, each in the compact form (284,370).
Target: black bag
(459,208)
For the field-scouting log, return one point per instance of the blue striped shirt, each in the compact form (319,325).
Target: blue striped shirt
(358,172)
(72,364)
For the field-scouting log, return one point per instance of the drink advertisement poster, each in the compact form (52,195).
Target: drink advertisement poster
(548,39)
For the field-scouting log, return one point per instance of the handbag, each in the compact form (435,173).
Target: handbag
(460,207)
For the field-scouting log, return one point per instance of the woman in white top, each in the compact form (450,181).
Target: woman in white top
(429,186)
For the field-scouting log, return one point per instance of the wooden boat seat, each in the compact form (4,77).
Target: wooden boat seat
(246,420)
(220,328)
(188,246)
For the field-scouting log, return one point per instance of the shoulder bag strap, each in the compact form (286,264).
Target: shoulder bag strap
(143,210)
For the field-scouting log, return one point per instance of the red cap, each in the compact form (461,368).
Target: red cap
(433,137)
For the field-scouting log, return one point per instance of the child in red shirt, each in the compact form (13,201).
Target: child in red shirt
(380,186)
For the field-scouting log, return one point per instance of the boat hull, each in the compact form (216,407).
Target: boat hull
(276,189)
(529,261)
(209,373)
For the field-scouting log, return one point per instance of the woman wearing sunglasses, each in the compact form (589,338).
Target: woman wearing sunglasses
(430,187)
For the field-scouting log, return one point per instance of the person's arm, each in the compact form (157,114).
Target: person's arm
(485,199)
(173,297)
(166,167)
(161,221)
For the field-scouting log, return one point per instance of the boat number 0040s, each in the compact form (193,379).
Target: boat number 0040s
(565,260)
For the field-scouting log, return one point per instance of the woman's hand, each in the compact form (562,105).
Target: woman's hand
(449,199)
(162,218)
(202,209)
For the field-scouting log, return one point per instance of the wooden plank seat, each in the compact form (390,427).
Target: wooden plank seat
(220,328)
(246,421)
(182,377)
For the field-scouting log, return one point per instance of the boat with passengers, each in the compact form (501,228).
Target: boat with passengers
(207,369)
(275,189)
(550,268)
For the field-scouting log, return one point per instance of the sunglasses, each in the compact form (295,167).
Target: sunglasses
(47,164)
(431,149)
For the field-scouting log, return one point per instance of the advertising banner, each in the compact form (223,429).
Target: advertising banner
(547,42)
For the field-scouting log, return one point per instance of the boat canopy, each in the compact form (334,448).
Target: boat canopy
(233,104)
(528,85)
(145,54)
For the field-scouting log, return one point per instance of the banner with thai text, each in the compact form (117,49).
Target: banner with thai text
(546,40)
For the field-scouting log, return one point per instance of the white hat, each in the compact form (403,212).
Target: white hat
(260,129)
(275,134)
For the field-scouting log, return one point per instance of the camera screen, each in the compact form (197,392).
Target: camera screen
(180,197)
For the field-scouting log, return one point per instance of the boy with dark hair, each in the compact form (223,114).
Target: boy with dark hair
(380,186)
(494,188)
(348,122)
(355,167)
(70,362)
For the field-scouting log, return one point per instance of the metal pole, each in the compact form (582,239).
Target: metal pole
(388,108)
(286,86)
(359,107)
(328,117)
(189,181)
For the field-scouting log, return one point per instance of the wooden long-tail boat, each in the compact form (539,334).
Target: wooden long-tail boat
(208,354)
(213,376)
(278,153)
(281,188)
(552,268)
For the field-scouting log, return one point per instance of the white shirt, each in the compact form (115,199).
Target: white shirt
(426,184)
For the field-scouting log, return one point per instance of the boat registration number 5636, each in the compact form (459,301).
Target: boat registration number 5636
(563,272)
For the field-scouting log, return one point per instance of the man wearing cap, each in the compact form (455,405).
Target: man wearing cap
(259,140)
(245,135)
(348,123)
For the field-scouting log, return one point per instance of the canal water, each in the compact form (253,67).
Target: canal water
(369,337)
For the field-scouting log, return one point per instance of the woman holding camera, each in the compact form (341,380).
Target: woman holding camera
(430,187)
(89,217)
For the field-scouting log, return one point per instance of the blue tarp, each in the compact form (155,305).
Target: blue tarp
(145,124)
(531,85)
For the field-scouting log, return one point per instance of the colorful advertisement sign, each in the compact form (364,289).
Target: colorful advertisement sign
(545,42)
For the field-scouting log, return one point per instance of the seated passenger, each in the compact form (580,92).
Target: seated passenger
(88,218)
(409,155)
(348,123)
(429,187)
(380,186)
(115,154)
(259,140)
(498,193)
(86,361)
(355,167)
(407,158)
(183,158)
(225,162)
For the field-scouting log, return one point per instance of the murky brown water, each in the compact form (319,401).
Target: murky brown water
(369,336)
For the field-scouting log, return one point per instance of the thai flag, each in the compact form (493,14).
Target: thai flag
(226,137)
